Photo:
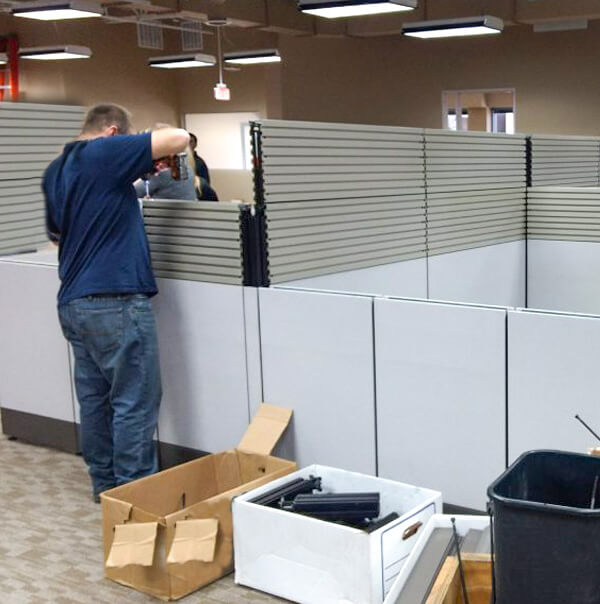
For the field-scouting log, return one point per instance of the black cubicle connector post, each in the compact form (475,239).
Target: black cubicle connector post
(528,161)
(254,246)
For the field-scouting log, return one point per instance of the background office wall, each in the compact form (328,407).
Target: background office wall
(117,71)
(384,80)
(397,81)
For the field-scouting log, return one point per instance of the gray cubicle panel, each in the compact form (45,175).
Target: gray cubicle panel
(202,342)
(31,136)
(552,376)
(341,197)
(195,240)
(36,401)
(564,248)
(317,358)
(441,396)
(564,160)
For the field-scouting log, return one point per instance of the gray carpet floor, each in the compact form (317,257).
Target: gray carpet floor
(51,537)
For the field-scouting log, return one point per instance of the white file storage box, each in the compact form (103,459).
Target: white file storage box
(316,562)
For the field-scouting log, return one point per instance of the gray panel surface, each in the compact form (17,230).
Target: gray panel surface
(317,352)
(441,396)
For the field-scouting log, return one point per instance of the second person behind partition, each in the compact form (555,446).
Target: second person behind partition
(163,184)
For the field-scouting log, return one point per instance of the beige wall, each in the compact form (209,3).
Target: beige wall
(117,71)
(386,80)
(393,80)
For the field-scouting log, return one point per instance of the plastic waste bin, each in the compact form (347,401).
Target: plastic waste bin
(546,534)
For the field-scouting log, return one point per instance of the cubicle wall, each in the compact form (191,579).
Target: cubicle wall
(393,210)
(195,240)
(31,136)
(564,248)
(476,216)
(340,197)
(564,160)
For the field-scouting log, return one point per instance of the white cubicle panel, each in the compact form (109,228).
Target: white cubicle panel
(552,376)
(253,350)
(441,396)
(34,356)
(494,275)
(564,275)
(407,279)
(317,354)
(203,364)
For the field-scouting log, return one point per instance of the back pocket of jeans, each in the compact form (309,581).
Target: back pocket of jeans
(101,328)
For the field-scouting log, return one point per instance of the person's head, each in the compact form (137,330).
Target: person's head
(106,120)
(193,141)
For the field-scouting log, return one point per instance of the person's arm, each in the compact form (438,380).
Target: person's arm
(168,141)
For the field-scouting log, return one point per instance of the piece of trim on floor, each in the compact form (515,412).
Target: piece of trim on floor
(40,430)
(459,509)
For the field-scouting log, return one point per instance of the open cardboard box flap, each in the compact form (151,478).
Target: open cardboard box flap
(133,543)
(194,540)
(265,430)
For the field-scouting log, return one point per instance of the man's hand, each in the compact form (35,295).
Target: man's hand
(168,141)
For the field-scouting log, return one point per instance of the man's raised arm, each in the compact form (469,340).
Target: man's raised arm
(168,141)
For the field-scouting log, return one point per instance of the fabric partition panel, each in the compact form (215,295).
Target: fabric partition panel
(35,373)
(552,376)
(494,274)
(31,136)
(475,189)
(405,279)
(203,364)
(564,248)
(441,396)
(195,240)
(317,355)
(564,160)
(340,197)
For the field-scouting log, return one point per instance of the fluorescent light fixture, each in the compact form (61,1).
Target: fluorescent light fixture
(55,53)
(3,58)
(450,28)
(334,9)
(182,61)
(252,57)
(49,11)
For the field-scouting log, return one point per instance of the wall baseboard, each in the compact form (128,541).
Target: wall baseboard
(40,430)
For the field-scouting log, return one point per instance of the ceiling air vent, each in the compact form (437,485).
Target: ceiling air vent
(150,36)
(191,35)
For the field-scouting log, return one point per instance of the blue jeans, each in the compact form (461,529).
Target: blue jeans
(117,379)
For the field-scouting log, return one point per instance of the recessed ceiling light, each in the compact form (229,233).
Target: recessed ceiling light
(3,58)
(76,9)
(451,28)
(182,61)
(55,53)
(334,9)
(251,57)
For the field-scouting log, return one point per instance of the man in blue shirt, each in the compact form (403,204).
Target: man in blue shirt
(106,277)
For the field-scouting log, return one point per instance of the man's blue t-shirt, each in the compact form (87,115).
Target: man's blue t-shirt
(92,212)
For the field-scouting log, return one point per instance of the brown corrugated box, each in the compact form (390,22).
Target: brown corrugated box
(171,533)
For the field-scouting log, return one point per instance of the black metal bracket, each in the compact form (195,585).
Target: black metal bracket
(254,246)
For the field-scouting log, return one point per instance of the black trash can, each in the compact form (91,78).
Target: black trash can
(546,536)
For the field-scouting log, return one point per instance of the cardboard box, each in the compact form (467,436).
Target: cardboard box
(463,525)
(171,533)
(315,562)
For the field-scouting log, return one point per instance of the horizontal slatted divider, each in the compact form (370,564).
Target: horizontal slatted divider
(31,136)
(476,189)
(197,241)
(341,196)
(564,213)
(564,160)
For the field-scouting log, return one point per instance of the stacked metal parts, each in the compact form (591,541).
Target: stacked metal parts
(475,189)
(195,240)
(360,510)
(564,160)
(440,545)
(31,136)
